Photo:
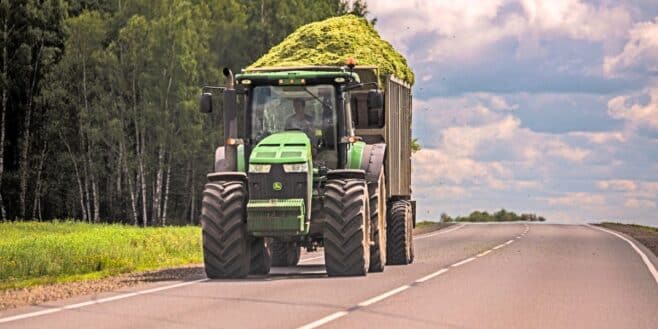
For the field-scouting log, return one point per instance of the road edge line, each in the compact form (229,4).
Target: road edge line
(430,234)
(643,256)
(97,301)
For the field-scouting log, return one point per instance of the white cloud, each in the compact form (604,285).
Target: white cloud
(640,55)
(638,203)
(635,113)
(578,199)
(617,185)
(463,29)
(601,137)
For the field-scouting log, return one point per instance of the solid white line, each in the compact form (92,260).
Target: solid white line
(427,235)
(498,247)
(384,296)
(644,257)
(433,275)
(324,320)
(484,253)
(463,262)
(510,241)
(98,301)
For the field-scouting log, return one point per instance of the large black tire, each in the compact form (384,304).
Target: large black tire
(377,193)
(261,258)
(224,230)
(346,236)
(284,253)
(399,243)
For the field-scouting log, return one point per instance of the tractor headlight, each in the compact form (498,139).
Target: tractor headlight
(295,167)
(259,168)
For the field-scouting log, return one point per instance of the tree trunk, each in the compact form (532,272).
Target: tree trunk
(24,164)
(77,176)
(193,193)
(157,191)
(36,205)
(5,72)
(166,196)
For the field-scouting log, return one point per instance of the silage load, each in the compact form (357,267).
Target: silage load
(332,41)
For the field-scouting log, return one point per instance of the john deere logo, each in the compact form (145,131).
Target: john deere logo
(277,186)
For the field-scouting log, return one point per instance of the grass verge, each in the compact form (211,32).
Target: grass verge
(34,253)
(646,235)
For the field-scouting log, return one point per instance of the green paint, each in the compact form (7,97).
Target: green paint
(282,147)
(355,155)
(279,217)
(332,41)
(277,186)
(241,166)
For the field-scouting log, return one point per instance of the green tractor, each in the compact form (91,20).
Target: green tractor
(322,158)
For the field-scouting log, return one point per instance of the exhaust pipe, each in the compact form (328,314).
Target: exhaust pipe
(230,123)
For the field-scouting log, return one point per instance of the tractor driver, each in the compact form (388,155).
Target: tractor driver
(300,120)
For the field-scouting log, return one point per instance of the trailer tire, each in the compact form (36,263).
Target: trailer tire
(346,236)
(224,231)
(261,258)
(284,253)
(399,243)
(377,193)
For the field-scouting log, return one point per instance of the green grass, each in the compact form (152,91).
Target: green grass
(425,223)
(647,228)
(35,253)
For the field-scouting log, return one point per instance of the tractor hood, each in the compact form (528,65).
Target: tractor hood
(282,147)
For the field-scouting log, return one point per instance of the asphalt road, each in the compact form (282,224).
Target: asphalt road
(471,276)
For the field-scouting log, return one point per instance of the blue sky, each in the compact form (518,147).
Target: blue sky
(549,107)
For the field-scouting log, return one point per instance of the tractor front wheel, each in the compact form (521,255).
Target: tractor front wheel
(346,235)
(224,231)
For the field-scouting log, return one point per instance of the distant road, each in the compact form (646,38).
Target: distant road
(469,276)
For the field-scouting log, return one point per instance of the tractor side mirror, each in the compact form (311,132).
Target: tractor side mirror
(205,103)
(375,99)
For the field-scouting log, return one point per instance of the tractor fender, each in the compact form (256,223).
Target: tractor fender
(373,161)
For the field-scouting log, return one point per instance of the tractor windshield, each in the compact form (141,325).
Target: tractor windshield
(310,109)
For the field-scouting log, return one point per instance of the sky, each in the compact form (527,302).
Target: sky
(546,107)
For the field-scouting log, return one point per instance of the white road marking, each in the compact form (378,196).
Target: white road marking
(467,260)
(498,247)
(431,276)
(427,235)
(509,242)
(324,320)
(484,253)
(645,259)
(98,301)
(384,296)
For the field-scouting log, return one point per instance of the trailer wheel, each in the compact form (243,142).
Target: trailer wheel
(377,193)
(399,244)
(224,231)
(346,236)
(284,253)
(261,258)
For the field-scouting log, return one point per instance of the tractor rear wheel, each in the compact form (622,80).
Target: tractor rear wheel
(261,258)
(284,253)
(346,236)
(399,243)
(377,193)
(224,231)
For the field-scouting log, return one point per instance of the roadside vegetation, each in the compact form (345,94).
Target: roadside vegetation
(499,216)
(646,235)
(35,253)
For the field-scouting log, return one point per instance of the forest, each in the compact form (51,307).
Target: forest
(100,118)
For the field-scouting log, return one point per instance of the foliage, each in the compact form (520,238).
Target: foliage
(101,111)
(49,252)
(499,216)
(332,41)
